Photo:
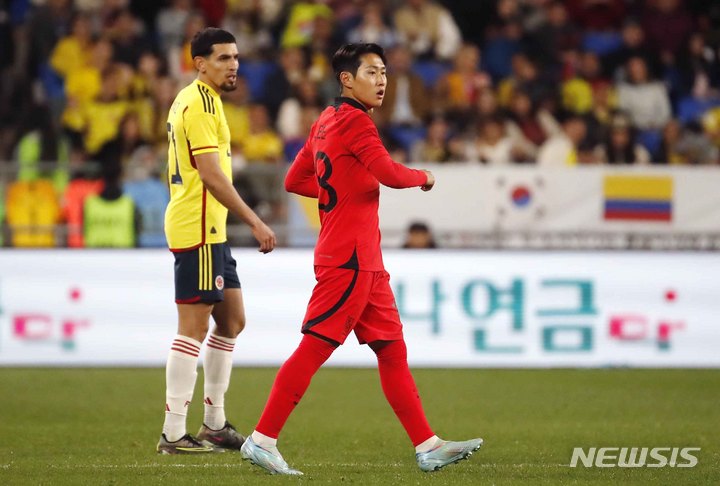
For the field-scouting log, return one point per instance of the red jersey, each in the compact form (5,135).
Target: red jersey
(342,164)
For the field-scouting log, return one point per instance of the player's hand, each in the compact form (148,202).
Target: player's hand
(430,181)
(265,236)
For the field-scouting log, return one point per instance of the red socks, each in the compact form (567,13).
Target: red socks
(294,378)
(401,392)
(291,382)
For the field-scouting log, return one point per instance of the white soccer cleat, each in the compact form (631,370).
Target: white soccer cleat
(446,453)
(272,463)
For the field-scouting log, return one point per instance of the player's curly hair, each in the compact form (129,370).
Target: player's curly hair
(203,41)
(347,58)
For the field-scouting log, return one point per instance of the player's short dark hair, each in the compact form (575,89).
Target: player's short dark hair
(203,41)
(347,58)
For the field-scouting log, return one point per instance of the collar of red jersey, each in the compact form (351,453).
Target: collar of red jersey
(350,101)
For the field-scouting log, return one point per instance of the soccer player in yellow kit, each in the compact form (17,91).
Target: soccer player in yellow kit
(206,280)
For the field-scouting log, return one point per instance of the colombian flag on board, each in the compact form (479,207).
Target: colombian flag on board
(638,198)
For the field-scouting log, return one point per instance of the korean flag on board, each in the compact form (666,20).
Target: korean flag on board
(519,201)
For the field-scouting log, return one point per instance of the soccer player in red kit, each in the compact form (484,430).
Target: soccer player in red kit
(342,164)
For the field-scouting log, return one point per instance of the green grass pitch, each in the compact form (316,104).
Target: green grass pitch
(100,426)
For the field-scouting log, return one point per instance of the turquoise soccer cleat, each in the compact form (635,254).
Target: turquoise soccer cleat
(446,453)
(272,463)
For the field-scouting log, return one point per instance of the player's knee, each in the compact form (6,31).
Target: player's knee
(240,325)
(388,351)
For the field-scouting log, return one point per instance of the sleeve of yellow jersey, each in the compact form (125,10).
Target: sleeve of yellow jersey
(201,130)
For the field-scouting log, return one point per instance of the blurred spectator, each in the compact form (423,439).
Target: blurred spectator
(150,195)
(250,22)
(502,42)
(695,148)
(154,121)
(73,51)
(301,22)
(373,28)
(667,25)
(485,106)
(620,146)
(604,106)
(289,116)
(556,35)
(235,106)
(281,82)
(321,48)
(263,151)
(142,96)
(170,23)
(83,85)
(434,147)
(419,237)
(101,117)
(109,218)
(179,59)
(669,152)
(645,100)
(529,126)
(562,149)
(699,69)
(308,115)
(130,137)
(633,44)
(261,144)
(46,24)
(126,34)
(493,146)
(406,101)
(711,125)
(428,28)
(577,92)
(525,77)
(459,90)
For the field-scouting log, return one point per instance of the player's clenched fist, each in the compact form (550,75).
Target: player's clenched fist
(430,181)
(265,236)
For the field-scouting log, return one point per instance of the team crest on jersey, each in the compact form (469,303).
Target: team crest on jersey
(219,282)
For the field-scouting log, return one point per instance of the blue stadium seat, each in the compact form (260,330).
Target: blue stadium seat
(256,73)
(601,43)
(691,109)
(430,71)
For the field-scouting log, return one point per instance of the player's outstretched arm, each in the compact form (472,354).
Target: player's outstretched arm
(365,144)
(219,185)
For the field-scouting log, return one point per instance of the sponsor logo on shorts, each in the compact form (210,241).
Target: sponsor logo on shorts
(219,282)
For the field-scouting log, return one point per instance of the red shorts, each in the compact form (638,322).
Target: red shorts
(345,300)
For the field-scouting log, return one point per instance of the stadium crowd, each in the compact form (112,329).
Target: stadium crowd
(85,87)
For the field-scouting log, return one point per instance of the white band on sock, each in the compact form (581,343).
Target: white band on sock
(263,440)
(217,365)
(427,445)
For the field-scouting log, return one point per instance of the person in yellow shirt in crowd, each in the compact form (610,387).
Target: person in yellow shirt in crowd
(73,52)
(83,84)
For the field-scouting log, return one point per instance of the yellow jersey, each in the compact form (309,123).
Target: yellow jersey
(196,125)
